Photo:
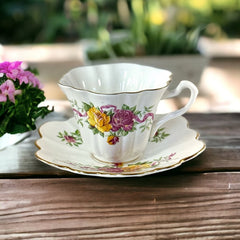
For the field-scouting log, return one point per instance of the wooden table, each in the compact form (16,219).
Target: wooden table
(198,200)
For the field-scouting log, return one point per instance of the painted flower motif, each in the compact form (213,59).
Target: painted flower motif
(111,169)
(117,122)
(122,119)
(139,166)
(70,139)
(112,140)
(8,89)
(159,136)
(99,120)
(135,167)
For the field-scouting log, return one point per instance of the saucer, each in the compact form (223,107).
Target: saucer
(61,146)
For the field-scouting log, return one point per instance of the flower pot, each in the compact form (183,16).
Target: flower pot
(10,139)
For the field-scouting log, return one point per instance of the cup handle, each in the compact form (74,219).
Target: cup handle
(162,118)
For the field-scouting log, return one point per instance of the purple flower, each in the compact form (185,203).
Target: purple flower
(8,89)
(122,119)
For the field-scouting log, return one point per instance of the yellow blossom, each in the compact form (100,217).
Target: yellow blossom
(157,17)
(99,120)
(132,168)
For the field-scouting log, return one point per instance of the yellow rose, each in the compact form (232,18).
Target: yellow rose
(99,120)
(112,140)
(132,168)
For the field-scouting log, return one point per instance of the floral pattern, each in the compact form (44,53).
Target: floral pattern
(99,120)
(71,139)
(159,136)
(112,122)
(130,167)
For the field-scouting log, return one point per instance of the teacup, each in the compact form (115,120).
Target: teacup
(115,107)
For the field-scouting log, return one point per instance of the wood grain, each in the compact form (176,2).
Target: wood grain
(198,200)
(221,125)
(191,206)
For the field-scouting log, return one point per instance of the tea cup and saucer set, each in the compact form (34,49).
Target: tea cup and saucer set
(116,130)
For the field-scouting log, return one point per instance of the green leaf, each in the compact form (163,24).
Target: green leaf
(125,107)
(124,133)
(19,128)
(86,106)
(148,109)
(95,131)
(133,109)
(21,116)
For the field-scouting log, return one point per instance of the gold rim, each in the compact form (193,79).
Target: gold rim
(106,174)
(117,93)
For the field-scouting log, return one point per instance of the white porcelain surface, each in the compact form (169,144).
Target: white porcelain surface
(115,104)
(61,146)
(116,78)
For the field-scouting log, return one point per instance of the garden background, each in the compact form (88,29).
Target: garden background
(62,34)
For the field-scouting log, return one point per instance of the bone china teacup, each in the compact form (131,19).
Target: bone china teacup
(115,107)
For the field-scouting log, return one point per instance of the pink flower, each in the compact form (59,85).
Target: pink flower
(171,155)
(11,69)
(70,139)
(28,77)
(122,119)
(8,89)
(14,71)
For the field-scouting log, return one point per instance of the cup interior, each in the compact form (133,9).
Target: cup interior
(116,78)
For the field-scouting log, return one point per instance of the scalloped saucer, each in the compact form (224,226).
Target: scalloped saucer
(61,146)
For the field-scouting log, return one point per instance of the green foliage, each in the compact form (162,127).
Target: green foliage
(121,27)
(20,116)
(159,135)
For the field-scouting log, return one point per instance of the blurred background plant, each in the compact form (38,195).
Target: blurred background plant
(120,27)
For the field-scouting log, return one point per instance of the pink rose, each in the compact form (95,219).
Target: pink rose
(122,119)
(70,139)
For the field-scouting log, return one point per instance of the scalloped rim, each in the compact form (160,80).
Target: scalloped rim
(123,174)
(117,93)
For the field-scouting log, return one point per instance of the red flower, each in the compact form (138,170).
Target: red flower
(122,119)
(70,139)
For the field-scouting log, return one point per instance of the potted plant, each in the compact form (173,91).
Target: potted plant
(20,95)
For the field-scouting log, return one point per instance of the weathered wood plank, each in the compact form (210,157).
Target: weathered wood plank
(169,207)
(19,161)
(211,160)
(215,124)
